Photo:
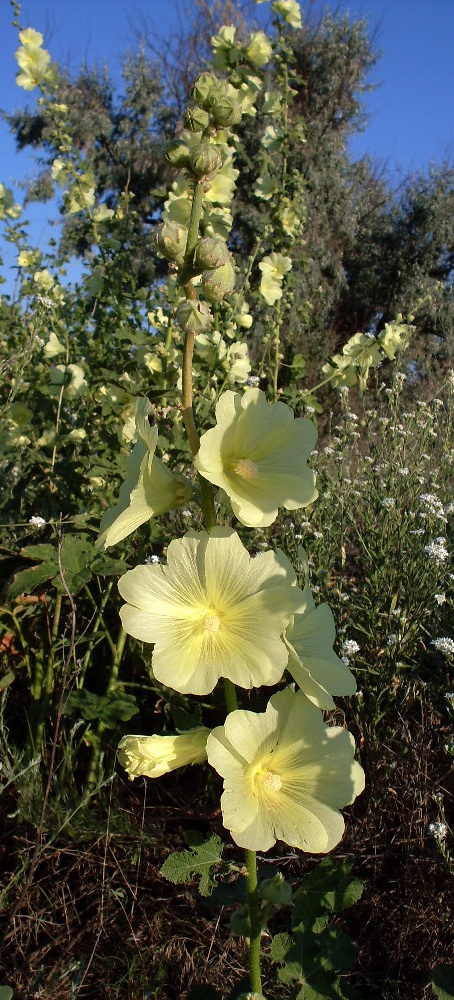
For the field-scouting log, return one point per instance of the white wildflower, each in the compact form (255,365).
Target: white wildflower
(36,521)
(444,645)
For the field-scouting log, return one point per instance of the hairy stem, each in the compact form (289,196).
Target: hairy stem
(256,925)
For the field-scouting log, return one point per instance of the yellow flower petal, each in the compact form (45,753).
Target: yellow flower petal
(286,775)
(212,612)
(257,453)
(153,756)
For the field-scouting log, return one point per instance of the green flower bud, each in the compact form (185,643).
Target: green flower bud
(204,160)
(276,890)
(240,922)
(193,316)
(225,112)
(204,90)
(210,253)
(177,153)
(170,239)
(196,119)
(219,283)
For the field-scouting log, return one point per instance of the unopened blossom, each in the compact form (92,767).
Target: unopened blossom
(153,756)
(212,612)
(313,663)
(257,453)
(286,775)
(150,488)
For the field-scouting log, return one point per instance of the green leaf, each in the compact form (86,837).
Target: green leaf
(5,992)
(280,947)
(5,682)
(110,709)
(443,982)
(104,565)
(44,551)
(183,721)
(185,865)
(26,580)
(329,886)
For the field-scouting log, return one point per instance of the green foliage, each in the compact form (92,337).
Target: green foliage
(199,860)
(6,993)
(316,951)
(443,982)
(110,708)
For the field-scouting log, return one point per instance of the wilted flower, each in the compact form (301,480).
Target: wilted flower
(150,488)
(257,453)
(212,612)
(286,775)
(156,755)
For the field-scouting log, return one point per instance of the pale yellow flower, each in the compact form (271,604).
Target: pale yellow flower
(257,453)
(290,10)
(273,268)
(286,775)
(212,612)
(34,61)
(150,488)
(153,756)
(259,49)
(266,186)
(312,662)
(53,346)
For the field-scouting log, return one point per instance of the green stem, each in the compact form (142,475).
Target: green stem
(186,272)
(256,923)
(93,767)
(230,695)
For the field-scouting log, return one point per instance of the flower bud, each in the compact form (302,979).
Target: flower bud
(210,253)
(170,239)
(177,153)
(240,922)
(204,90)
(225,112)
(193,316)
(196,119)
(219,283)
(276,890)
(204,160)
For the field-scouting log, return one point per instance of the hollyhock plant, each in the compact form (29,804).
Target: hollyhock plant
(286,775)
(212,612)
(153,756)
(150,488)
(257,453)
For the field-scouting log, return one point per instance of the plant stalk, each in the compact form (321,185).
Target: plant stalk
(255,921)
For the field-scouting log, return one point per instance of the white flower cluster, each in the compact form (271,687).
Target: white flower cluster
(437,550)
(438,830)
(432,506)
(444,645)
(349,648)
(36,521)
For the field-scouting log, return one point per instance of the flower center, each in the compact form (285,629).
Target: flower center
(211,622)
(246,469)
(269,780)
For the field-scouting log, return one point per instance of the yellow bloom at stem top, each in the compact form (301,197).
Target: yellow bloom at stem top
(153,756)
(34,61)
(257,453)
(212,612)
(286,775)
(150,488)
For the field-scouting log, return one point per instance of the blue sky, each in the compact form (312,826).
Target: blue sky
(411,116)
